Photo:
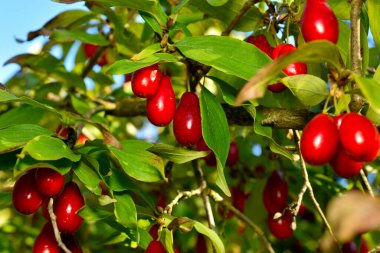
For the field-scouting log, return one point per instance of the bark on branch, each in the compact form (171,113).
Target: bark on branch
(274,117)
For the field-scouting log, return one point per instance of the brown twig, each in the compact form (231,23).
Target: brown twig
(181,196)
(217,198)
(57,234)
(237,18)
(365,181)
(199,175)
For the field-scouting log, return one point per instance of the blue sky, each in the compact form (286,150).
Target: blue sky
(18,18)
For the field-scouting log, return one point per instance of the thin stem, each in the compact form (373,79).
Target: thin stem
(366,183)
(355,36)
(57,234)
(217,198)
(202,183)
(181,196)
(305,177)
(241,13)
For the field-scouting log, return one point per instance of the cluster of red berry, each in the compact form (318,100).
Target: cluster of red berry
(275,198)
(33,190)
(296,68)
(345,141)
(150,83)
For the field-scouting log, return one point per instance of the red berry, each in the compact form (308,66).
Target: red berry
(318,22)
(90,50)
(155,247)
(239,198)
(319,141)
(65,207)
(45,241)
(62,131)
(176,250)
(44,208)
(233,154)
(161,107)
(25,196)
(260,41)
(281,228)
(344,166)
(351,247)
(359,137)
(200,245)
(296,68)
(145,81)
(49,182)
(187,120)
(210,158)
(71,243)
(82,139)
(276,192)
(153,231)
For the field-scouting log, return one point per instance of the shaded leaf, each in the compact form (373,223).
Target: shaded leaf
(312,52)
(370,89)
(175,154)
(125,212)
(374,19)
(216,133)
(217,2)
(27,163)
(92,214)
(210,234)
(87,175)
(63,36)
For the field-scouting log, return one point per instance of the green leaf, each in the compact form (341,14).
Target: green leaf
(215,133)
(84,170)
(374,19)
(152,22)
(45,148)
(217,2)
(140,164)
(214,238)
(64,36)
(229,55)
(146,52)
(310,90)
(27,163)
(166,238)
(125,212)
(128,66)
(93,215)
(6,96)
(14,137)
(370,89)
(312,52)
(175,154)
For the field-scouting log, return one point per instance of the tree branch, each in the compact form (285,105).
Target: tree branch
(241,13)
(199,175)
(274,117)
(57,234)
(181,196)
(217,198)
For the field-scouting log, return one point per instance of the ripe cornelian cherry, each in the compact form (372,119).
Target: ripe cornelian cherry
(296,68)
(233,154)
(319,140)
(276,192)
(45,241)
(25,196)
(187,120)
(49,182)
(351,247)
(344,166)
(200,245)
(260,41)
(90,50)
(318,22)
(65,207)
(155,247)
(82,139)
(282,227)
(359,137)
(210,158)
(145,81)
(239,198)
(161,107)
(71,243)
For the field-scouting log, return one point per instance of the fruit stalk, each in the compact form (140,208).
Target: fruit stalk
(57,234)
(366,183)
(202,183)
(307,183)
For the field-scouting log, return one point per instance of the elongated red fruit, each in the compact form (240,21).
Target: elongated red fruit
(145,81)
(261,42)
(45,241)
(318,22)
(187,120)
(49,182)
(160,108)
(276,192)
